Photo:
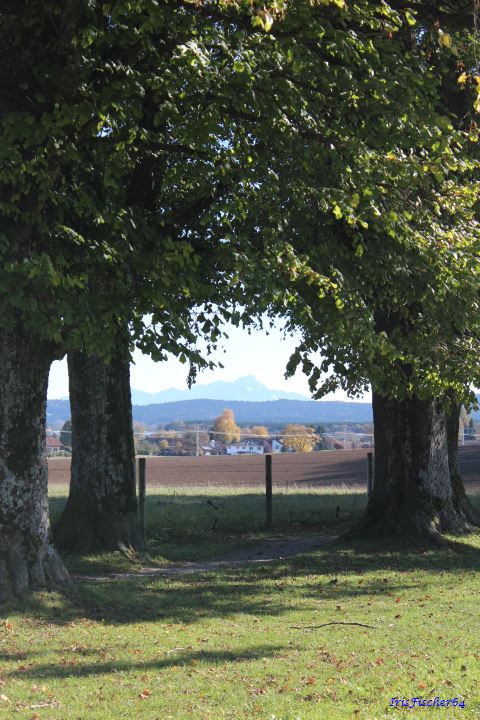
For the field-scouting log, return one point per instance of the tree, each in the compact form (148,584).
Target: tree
(106,186)
(323,443)
(138,428)
(150,154)
(225,428)
(28,557)
(192,441)
(300,438)
(66,433)
(81,238)
(398,306)
(259,430)
(101,510)
(470,429)
(372,250)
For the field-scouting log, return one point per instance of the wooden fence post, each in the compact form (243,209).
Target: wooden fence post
(142,484)
(268,488)
(369,473)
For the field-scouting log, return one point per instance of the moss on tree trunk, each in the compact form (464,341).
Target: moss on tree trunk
(101,510)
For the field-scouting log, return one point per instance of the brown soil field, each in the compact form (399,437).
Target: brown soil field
(336,467)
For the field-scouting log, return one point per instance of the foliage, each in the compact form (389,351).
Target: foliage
(301,438)
(66,433)
(317,159)
(256,431)
(260,430)
(115,157)
(323,442)
(225,428)
(469,430)
(371,199)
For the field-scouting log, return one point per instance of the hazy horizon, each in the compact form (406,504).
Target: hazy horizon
(261,353)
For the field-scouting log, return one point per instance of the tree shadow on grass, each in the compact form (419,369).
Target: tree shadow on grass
(199,527)
(334,572)
(161,661)
(184,532)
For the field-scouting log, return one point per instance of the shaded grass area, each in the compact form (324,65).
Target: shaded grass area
(196,524)
(246,643)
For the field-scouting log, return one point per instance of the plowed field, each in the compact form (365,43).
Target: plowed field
(336,467)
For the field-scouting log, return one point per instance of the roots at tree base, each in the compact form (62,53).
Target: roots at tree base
(418,491)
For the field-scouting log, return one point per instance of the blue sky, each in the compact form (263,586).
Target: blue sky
(260,354)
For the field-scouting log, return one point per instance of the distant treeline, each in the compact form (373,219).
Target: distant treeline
(272,412)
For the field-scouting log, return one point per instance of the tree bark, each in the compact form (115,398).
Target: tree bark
(28,559)
(101,510)
(460,499)
(413,493)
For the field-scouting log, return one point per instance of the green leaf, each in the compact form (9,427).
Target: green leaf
(410,19)
(268,22)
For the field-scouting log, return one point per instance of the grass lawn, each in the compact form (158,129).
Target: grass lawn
(245,642)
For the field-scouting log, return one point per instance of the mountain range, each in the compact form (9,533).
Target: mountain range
(267,412)
(251,401)
(244,388)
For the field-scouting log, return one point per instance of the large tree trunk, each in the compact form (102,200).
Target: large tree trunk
(28,558)
(413,493)
(460,499)
(101,510)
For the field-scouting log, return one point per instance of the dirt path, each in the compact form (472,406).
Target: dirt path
(259,552)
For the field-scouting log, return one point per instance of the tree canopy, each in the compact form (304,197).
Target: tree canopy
(156,157)
(225,428)
(300,438)
(368,214)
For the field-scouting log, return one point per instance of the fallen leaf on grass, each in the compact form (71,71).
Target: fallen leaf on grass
(144,694)
(78,649)
(25,668)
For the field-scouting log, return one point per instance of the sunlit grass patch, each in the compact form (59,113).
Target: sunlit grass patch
(249,643)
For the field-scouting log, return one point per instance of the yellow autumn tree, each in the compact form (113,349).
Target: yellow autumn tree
(260,430)
(225,428)
(300,438)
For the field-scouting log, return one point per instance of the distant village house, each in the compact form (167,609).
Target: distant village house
(254,446)
(54,445)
